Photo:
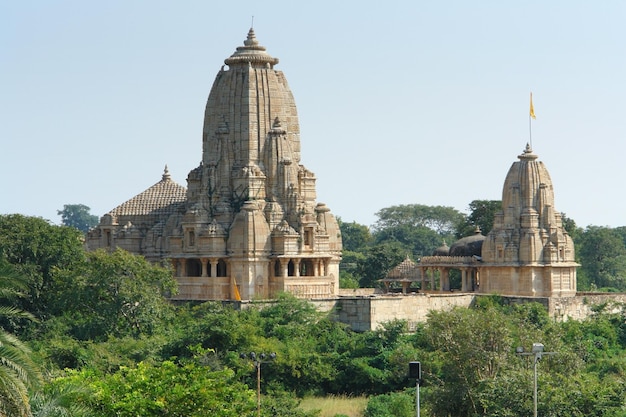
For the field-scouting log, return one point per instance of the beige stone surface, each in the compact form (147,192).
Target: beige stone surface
(248,225)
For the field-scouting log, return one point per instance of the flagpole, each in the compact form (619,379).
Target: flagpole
(530,130)
(531,115)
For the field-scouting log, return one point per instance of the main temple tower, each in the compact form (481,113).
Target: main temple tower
(249,226)
(251,205)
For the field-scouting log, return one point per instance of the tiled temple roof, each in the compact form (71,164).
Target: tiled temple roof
(407,269)
(165,196)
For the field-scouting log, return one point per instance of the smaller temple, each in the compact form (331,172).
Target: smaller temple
(528,252)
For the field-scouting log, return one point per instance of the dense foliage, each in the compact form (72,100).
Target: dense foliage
(90,334)
(18,372)
(468,359)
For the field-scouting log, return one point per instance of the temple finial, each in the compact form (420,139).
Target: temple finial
(166,174)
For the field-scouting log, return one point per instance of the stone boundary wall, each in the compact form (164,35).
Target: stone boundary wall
(355,292)
(369,312)
(581,306)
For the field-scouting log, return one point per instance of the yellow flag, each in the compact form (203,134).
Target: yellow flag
(236,290)
(532,109)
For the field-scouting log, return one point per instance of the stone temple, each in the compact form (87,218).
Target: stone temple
(527,252)
(247,226)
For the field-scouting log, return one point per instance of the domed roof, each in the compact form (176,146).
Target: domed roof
(469,245)
(443,250)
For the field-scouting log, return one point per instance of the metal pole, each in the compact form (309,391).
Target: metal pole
(535,392)
(417,402)
(258,389)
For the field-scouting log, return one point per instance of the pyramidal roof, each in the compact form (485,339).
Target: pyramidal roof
(163,197)
(407,269)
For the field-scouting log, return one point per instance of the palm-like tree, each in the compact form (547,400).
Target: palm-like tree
(60,401)
(18,372)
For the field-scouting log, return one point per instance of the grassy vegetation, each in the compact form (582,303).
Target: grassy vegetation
(333,405)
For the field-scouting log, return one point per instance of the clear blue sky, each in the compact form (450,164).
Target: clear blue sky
(400,102)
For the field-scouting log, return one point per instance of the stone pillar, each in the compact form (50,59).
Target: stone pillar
(431,274)
(464,286)
(204,265)
(214,262)
(296,267)
(183,267)
(284,267)
(271,268)
(477,286)
(423,282)
(444,280)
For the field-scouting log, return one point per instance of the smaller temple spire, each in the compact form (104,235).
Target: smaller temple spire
(528,153)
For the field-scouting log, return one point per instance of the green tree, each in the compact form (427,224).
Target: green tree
(482,214)
(394,404)
(349,272)
(78,216)
(18,372)
(170,389)
(113,294)
(442,220)
(602,255)
(417,228)
(355,237)
(379,260)
(570,227)
(60,399)
(36,249)
(475,346)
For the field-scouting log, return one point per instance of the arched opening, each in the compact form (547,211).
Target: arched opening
(194,268)
(221,268)
(306,268)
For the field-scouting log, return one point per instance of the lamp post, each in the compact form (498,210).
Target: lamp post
(415,371)
(257,360)
(538,353)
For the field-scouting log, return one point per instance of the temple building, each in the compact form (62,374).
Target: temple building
(247,226)
(528,252)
